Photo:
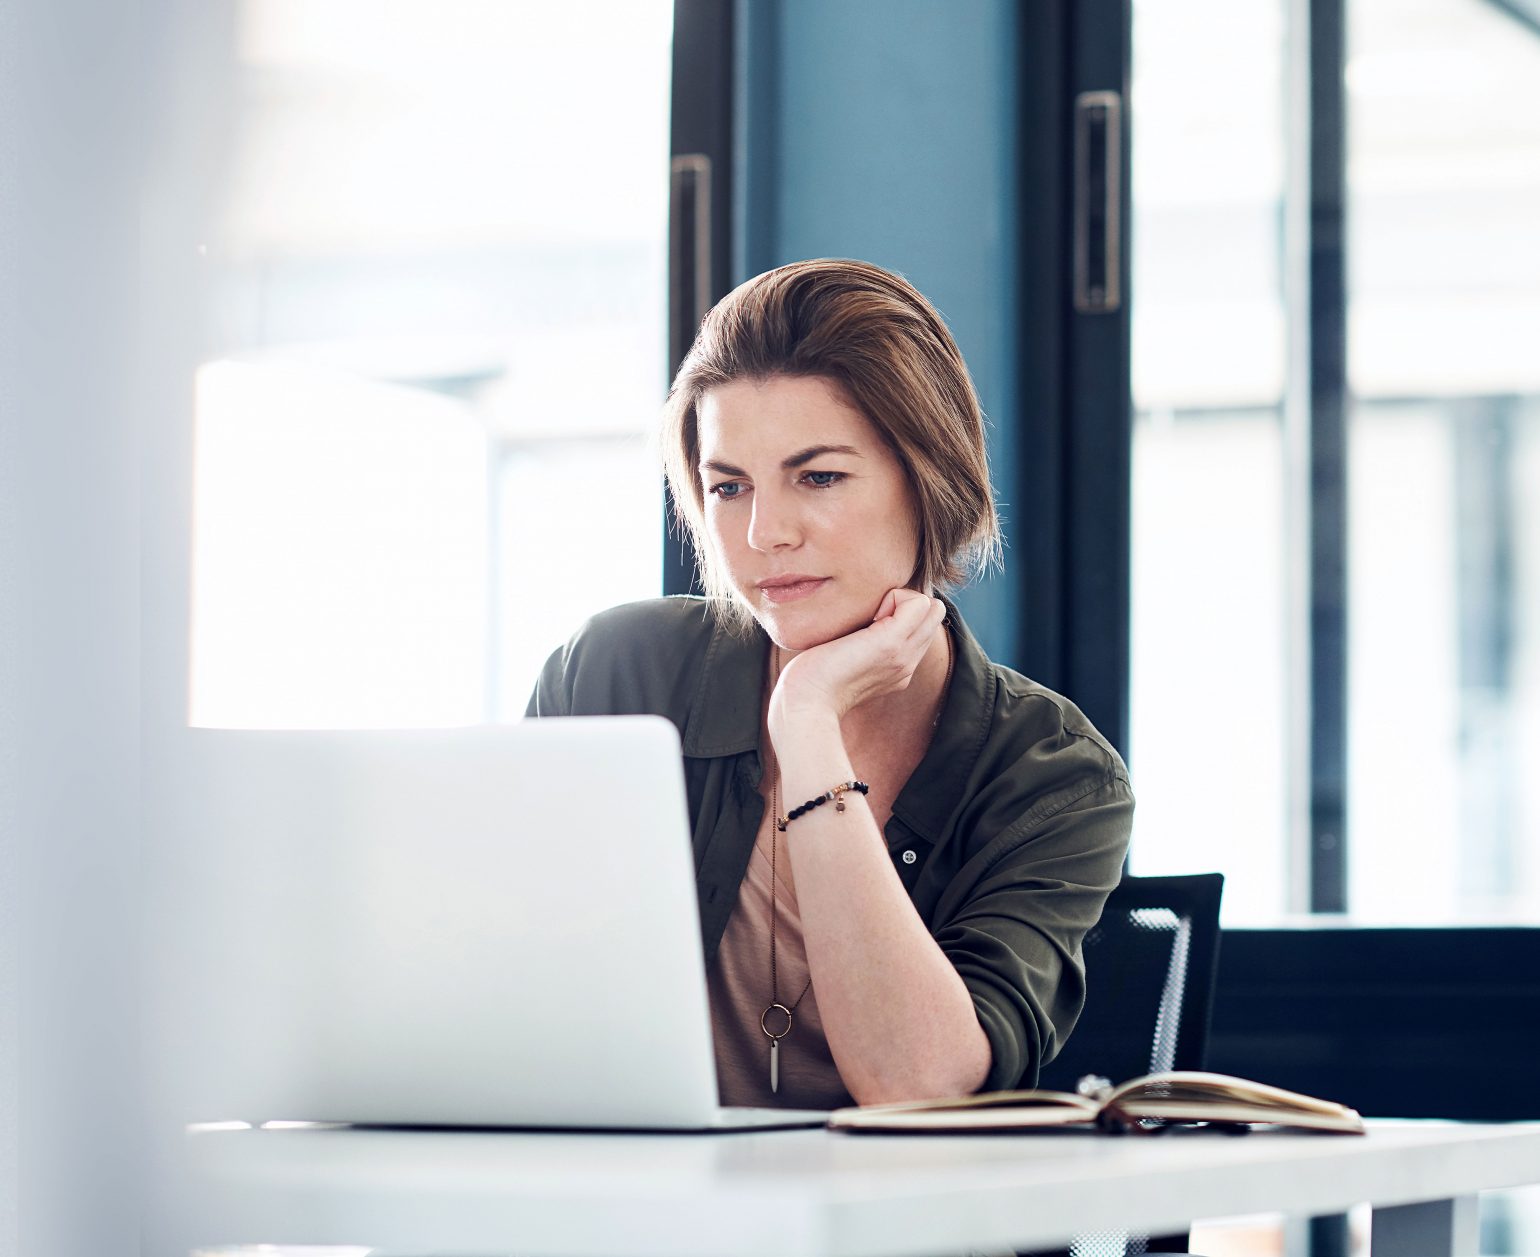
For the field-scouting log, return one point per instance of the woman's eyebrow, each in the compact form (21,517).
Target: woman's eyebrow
(721,468)
(803,457)
(800,459)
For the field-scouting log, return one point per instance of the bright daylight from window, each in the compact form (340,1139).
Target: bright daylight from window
(1443,545)
(437,345)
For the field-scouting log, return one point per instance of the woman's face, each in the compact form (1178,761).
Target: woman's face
(807,509)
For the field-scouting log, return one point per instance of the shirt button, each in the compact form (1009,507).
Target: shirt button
(910,857)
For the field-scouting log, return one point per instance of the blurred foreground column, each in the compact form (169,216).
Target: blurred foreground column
(70,127)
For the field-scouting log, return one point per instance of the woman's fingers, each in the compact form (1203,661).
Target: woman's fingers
(899,641)
(879,659)
(918,615)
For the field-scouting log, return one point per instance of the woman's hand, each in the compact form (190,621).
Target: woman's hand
(831,679)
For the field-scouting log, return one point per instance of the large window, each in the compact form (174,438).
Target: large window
(1440,121)
(437,276)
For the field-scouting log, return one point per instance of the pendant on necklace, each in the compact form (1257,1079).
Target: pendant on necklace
(775,1040)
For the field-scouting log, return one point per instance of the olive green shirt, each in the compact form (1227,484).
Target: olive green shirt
(1008,836)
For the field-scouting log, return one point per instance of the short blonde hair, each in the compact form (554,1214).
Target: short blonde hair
(872,334)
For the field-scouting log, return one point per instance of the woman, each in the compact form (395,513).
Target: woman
(899,844)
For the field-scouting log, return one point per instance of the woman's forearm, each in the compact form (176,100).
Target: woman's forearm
(899,1020)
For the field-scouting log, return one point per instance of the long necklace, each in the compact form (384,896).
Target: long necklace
(777,1013)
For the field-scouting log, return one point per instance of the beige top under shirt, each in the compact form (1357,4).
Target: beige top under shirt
(739,987)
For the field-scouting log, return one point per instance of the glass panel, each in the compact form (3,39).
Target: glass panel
(1444,575)
(1208,691)
(437,279)
(339,552)
(587,487)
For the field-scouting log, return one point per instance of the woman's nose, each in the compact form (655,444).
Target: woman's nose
(773,522)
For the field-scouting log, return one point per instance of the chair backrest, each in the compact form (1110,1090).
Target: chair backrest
(1150,970)
(1151,963)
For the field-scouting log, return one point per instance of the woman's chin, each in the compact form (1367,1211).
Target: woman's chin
(796,630)
(795,644)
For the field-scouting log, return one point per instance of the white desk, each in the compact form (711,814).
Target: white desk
(815,1194)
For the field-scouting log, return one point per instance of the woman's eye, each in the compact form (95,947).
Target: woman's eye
(727,490)
(823,479)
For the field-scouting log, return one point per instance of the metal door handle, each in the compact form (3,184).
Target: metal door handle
(1098,156)
(689,262)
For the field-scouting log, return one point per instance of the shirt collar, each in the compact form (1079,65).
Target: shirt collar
(928,799)
(725,712)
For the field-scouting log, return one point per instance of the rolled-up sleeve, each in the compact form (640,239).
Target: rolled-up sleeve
(1012,919)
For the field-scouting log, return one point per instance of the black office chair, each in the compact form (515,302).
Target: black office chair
(1150,969)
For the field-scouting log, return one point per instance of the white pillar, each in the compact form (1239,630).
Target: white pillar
(70,131)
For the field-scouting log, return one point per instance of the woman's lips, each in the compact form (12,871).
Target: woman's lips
(793,588)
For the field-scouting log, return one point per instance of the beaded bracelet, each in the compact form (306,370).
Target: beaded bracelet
(837,793)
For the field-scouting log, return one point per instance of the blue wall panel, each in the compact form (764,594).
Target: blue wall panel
(886,130)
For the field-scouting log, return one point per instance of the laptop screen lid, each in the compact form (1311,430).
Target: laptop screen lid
(487,926)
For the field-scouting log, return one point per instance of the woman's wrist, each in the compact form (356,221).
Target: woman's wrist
(810,752)
(792,721)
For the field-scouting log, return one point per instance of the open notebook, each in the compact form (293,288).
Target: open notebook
(1143,1104)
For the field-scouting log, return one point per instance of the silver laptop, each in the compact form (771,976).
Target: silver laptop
(493,926)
